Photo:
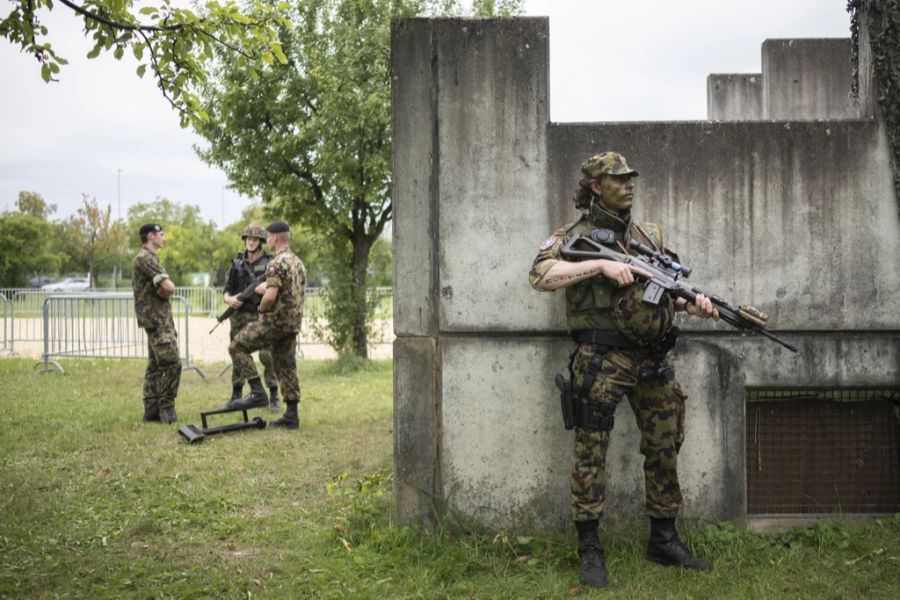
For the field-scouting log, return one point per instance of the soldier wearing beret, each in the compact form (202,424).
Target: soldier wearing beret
(152,290)
(246,267)
(281,313)
(621,353)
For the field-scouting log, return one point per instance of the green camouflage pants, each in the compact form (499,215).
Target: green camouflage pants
(238,321)
(163,372)
(257,335)
(657,402)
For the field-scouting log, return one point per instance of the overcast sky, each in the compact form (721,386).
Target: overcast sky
(73,137)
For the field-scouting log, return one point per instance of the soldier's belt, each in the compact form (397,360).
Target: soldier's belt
(613,339)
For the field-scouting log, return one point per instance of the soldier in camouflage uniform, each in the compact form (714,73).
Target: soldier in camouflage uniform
(152,290)
(622,344)
(247,267)
(281,313)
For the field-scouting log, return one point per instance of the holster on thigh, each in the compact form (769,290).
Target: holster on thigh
(590,413)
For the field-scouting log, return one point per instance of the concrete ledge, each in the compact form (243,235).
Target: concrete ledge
(734,97)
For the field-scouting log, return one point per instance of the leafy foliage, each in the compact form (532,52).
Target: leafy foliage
(90,239)
(25,248)
(174,43)
(883,24)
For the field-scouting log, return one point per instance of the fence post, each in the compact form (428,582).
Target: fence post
(188,366)
(46,362)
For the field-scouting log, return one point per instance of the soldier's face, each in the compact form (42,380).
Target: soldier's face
(251,244)
(616,192)
(270,239)
(157,239)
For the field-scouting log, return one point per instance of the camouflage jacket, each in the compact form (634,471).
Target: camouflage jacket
(288,274)
(588,302)
(153,311)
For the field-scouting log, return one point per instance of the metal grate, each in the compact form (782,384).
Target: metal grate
(823,451)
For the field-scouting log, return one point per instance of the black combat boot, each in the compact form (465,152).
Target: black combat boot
(290,419)
(274,404)
(666,548)
(592,563)
(151,413)
(237,391)
(255,399)
(167,415)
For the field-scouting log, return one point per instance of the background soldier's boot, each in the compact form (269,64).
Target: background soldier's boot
(274,404)
(167,415)
(256,398)
(151,413)
(666,548)
(290,419)
(592,563)
(236,391)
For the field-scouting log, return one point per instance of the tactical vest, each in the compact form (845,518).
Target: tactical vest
(247,273)
(589,302)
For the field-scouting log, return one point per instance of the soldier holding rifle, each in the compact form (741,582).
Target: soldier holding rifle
(248,266)
(622,345)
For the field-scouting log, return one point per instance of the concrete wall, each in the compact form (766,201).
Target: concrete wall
(734,97)
(801,79)
(797,218)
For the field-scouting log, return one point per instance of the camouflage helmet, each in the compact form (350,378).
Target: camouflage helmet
(643,323)
(607,163)
(255,231)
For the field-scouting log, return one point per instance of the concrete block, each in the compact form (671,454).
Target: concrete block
(416,434)
(414,177)
(807,79)
(493,112)
(734,97)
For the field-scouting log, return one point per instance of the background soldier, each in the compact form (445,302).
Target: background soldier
(246,267)
(281,310)
(152,290)
(622,345)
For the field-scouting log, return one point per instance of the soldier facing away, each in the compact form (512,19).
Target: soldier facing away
(622,345)
(152,290)
(281,314)
(247,267)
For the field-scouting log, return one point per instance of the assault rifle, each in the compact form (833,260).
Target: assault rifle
(666,274)
(243,296)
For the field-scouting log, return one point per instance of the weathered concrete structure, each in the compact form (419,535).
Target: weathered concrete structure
(796,217)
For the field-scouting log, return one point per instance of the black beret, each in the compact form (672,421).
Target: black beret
(278,227)
(150,228)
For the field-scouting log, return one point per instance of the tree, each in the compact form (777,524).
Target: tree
(32,203)
(174,43)
(25,248)
(313,140)
(88,238)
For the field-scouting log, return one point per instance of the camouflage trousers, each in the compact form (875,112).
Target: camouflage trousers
(163,372)
(238,321)
(657,402)
(258,335)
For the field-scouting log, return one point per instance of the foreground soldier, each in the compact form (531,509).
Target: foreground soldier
(152,290)
(246,267)
(622,344)
(281,312)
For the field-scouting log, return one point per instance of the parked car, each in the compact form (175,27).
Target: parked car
(69,284)
(41,280)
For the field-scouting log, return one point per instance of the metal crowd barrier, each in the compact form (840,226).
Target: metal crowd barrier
(103,325)
(4,341)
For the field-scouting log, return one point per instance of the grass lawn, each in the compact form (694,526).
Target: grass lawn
(97,504)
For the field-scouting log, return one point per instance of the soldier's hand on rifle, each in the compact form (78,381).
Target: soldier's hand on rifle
(622,274)
(261,288)
(233,302)
(701,307)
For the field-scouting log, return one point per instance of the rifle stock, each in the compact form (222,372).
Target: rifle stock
(667,274)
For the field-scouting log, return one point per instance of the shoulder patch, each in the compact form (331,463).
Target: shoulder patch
(548,243)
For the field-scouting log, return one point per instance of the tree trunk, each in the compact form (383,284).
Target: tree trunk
(362,244)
